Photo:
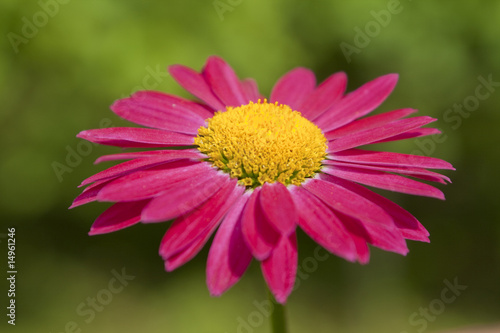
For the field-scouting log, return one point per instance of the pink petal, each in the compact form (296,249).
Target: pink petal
(324,96)
(292,88)
(280,268)
(128,137)
(359,214)
(259,235)
(414,172)
(389,159)
(368,123)
(407,224)
(278,207)
(89,194)
(148,110)
(362,250)
(224,82)
(148,183)
(229,255)
(251,90)
(186,229)
(431,177)
(412,134)
(187,153)
(182,197)
(378,133)
(195,83)
(128,167)
(357,103)
(188,253)
(345,201)
(174,103)
(386,238)
(118,216)
(322,225)
(384,181)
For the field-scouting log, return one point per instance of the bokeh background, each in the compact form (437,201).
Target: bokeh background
(62,64)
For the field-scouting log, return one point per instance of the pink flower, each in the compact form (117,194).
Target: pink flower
(252,171)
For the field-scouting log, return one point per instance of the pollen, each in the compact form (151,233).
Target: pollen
(263,142)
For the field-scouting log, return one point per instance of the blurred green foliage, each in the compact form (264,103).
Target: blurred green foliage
(60,75)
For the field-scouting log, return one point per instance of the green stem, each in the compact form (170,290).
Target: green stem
(278,322)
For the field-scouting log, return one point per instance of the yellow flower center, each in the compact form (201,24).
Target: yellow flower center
(263,142)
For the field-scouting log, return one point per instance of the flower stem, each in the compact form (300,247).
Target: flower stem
(278,322)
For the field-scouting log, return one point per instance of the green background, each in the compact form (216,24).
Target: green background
(60,78)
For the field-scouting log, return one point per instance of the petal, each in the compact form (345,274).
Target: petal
(224,82)
(324,96)
(89,194)
(378,133)
(389,159)
(414,172)
(187,153)
(128,167)
(278,207)
(186,229)
(368,123)
(195,83)
(359,215)
(412,134)
(384,181)
(251,90)
(118,216)
(128,137)
(149,109)
(390,234)
(407,224)
(175,103)
(357,103)
(345,201)
(280,268)
(292,88)
(148,183)
(259,235)
(229,255)
(188,253)
(362,250)
(182,197)
(322,225)
(386,238)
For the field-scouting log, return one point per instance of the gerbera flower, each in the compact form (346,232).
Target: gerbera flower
(252,170)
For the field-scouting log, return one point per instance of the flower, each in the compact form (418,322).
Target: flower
(253,170)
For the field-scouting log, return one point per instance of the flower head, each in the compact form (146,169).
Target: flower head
(252,171)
